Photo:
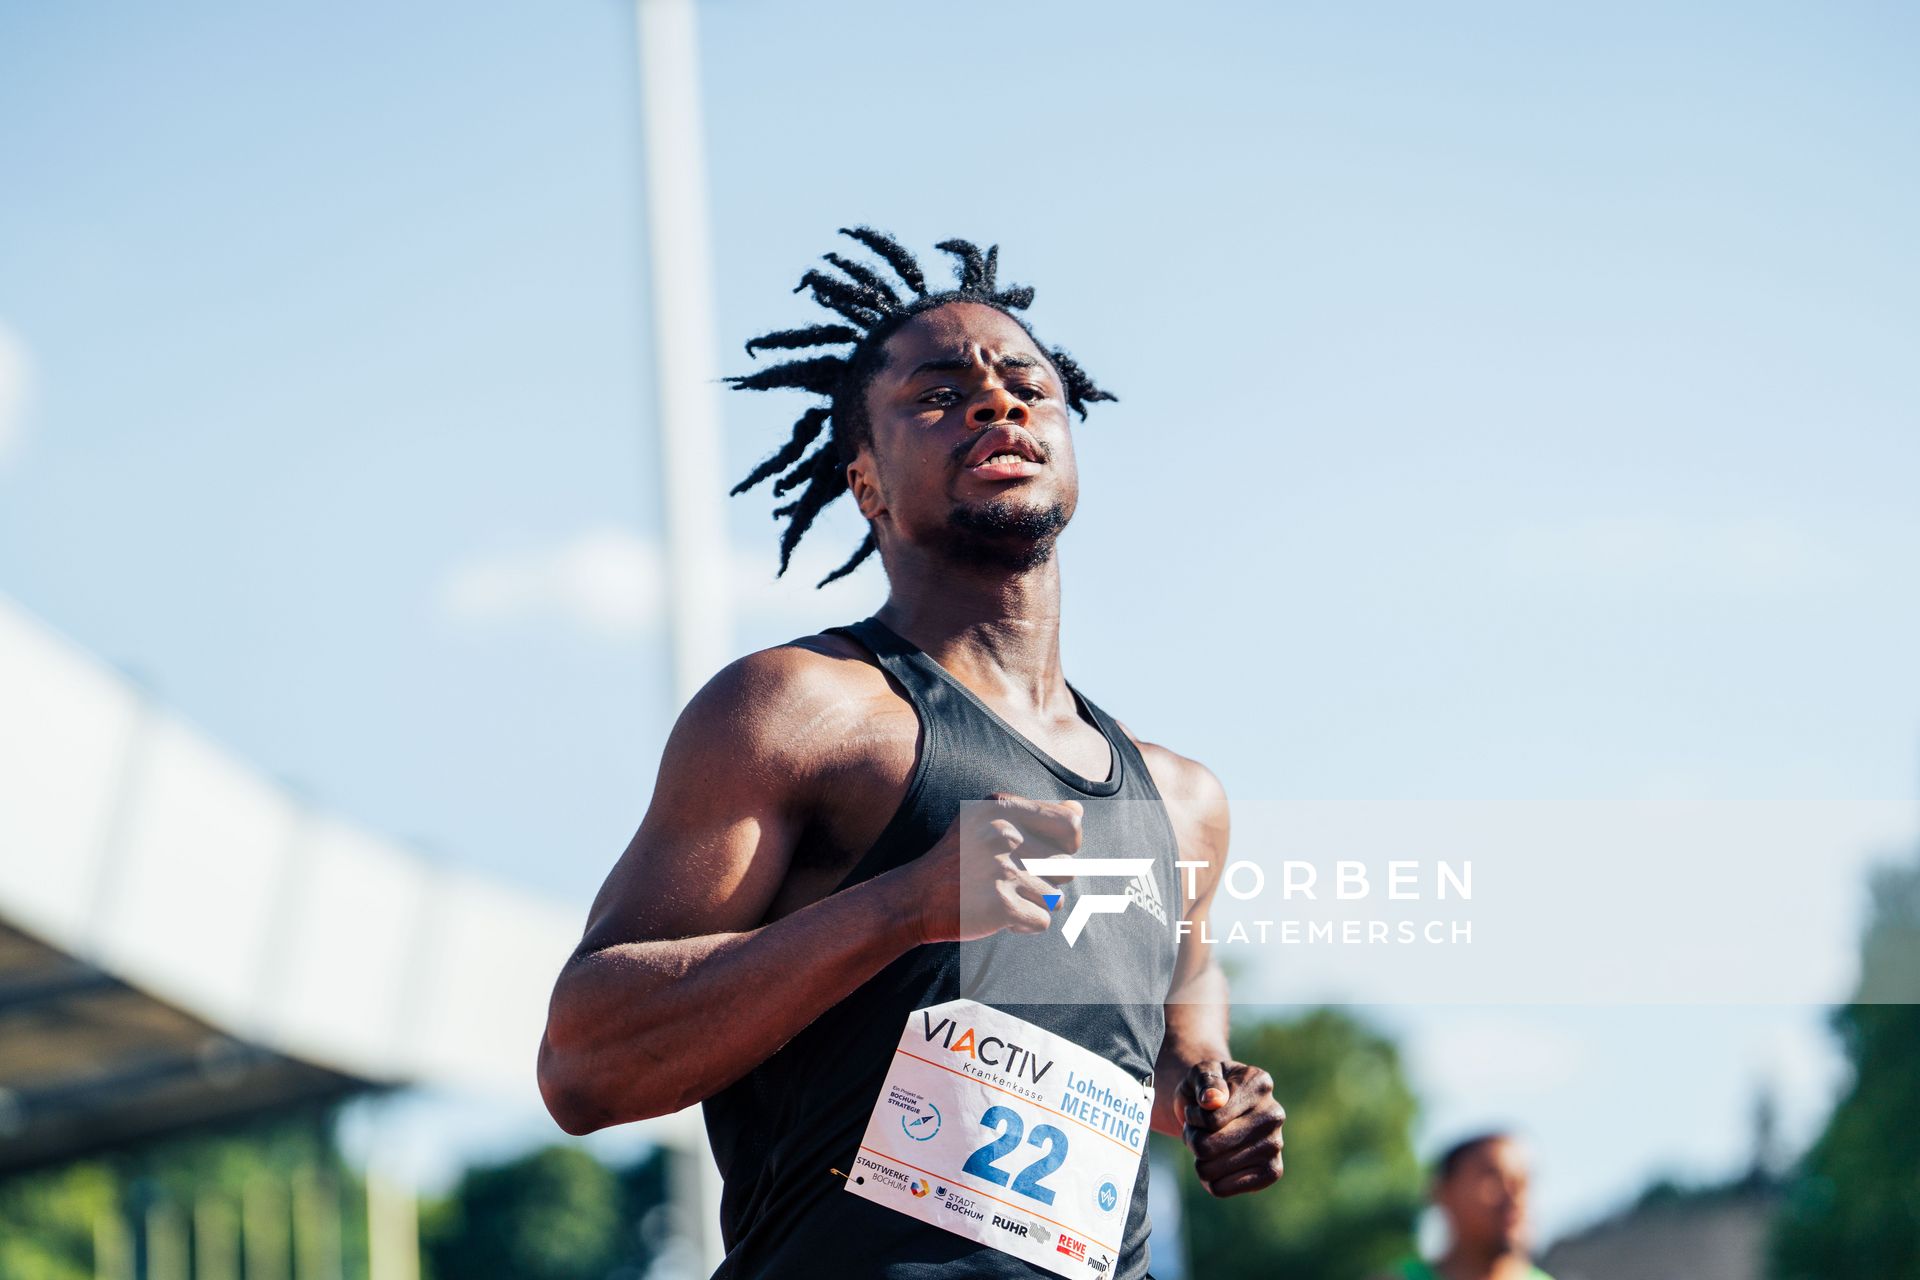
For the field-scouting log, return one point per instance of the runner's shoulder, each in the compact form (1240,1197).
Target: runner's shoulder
(783,702)
(1196,801)
(1181,779)
(803,673)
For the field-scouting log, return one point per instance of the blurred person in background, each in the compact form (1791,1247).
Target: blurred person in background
(1480,1188)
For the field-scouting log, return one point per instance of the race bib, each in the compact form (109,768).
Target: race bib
(999,1131)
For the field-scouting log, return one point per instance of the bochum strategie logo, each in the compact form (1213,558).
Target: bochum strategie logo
(1088,905)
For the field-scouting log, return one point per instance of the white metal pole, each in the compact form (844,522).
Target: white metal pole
(680,288)
(393,1228)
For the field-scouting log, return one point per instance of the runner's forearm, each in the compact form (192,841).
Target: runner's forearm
(643,1029)
(1196,1032)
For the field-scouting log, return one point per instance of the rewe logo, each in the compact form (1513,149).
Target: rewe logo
(1089,904)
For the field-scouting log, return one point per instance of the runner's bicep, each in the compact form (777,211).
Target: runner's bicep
(685,876)
(717,838)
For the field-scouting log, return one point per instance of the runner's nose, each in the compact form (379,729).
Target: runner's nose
(997,404)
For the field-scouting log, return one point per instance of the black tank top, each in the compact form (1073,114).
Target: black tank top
(780,1131)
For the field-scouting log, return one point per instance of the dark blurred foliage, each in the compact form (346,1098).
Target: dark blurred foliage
(1352,1191)
(47,1220)
(51,1220)
(552,1214)
(1853,1206)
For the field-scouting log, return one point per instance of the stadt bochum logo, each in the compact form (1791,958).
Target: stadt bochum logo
(1088,905)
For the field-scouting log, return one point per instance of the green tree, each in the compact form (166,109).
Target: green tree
(47,1221)
(49,1217)
(1853,1206)
(1352,1190)
(554,1214)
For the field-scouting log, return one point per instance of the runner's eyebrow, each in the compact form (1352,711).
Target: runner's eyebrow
(960,364)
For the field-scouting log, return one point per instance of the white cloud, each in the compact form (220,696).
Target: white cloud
(15,378)
(607,581)
(612,583)
(1748,554)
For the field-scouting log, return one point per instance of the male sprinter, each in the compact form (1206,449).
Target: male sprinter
(1480,1188)
(897,914)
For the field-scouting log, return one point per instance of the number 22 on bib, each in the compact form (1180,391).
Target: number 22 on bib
(1002,1132)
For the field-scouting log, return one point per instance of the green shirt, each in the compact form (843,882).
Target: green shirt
(1415,1269)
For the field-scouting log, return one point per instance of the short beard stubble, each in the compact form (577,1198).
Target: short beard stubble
(1004,534)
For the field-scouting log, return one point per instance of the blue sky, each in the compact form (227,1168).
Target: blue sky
(1516,406)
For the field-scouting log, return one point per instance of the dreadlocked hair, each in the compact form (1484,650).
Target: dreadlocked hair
(872,309)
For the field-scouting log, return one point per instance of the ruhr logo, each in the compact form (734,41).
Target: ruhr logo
(1088,905)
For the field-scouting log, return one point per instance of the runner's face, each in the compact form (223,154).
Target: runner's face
(964,382)
(1485,1198)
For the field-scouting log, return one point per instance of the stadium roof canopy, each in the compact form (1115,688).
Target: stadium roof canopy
(89,1063)
(183,940)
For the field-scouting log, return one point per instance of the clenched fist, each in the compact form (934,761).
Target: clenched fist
(970,884)
(1232,1127)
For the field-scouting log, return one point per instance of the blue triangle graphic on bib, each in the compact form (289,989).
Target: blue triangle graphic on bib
(1052,900)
